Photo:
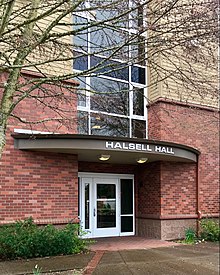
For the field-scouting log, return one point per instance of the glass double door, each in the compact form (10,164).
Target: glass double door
(100,208)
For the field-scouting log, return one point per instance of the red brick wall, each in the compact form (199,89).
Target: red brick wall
(165,189)
(57,107)
(148,178)
(41,185)
(178,188)
(196,127)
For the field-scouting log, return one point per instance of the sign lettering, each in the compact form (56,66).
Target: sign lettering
(139,147)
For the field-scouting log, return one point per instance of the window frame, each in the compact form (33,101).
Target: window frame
(132,85)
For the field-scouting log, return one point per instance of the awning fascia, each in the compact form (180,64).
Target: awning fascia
(122,150)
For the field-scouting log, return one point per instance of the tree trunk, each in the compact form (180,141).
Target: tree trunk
(2,137)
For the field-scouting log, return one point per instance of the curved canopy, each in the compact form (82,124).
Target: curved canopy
(120,150)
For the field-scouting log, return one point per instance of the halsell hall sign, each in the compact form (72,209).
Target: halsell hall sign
(138,147)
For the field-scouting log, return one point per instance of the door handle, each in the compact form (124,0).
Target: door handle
(94,212)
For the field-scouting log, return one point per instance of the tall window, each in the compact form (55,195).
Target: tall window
(112,95)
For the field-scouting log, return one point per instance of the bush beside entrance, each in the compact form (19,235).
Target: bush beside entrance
(209,231)
(24,239)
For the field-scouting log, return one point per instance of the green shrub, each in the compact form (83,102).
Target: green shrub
(210,230)
(24,239)
(190,235)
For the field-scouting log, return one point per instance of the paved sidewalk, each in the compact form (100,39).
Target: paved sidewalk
(201,259)
(198,259)
(55,264)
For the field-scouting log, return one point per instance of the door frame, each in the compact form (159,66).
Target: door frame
(91,179)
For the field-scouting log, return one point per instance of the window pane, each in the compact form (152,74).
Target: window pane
(111,10)
(139,128)
(110,68)
(109,126)
(137,15)
(82,123)
(138,101)
(81,91)
(109,96)
(106,191)
(80,39)
(80,61)
(106,213)
(106,205)
(80,7)
(87,206)
(137,50)
(126,196)
(108,41)
(126,224)
(138,74)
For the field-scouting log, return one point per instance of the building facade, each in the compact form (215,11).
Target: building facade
(134,159)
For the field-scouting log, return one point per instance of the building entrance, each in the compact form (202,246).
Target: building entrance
(106,205)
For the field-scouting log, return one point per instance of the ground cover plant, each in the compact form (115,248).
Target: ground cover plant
(37,270)
(24,239)
(209,231)
(190,235)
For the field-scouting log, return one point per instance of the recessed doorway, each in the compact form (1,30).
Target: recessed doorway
(106,205)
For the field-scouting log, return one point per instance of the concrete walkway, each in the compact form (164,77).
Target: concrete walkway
(55,264)
(172,259)
(176,260)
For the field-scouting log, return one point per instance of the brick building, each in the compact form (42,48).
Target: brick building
(121,166)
